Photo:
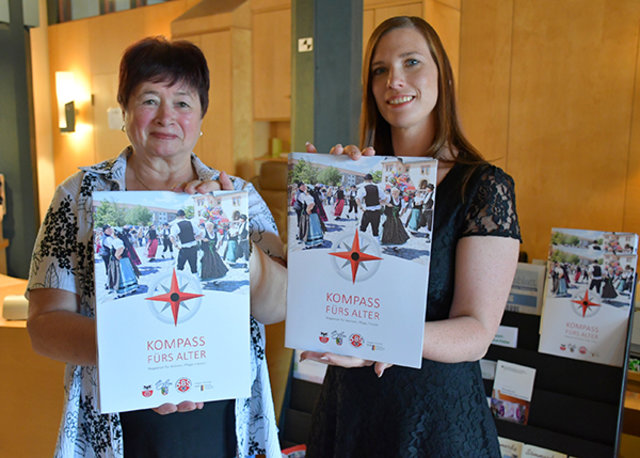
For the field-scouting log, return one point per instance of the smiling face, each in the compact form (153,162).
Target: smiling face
(404,79)
(163,121)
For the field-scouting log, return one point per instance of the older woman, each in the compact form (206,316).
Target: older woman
(163,91)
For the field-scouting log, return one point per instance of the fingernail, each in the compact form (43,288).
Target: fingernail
(302,358)
(324,358)
(380,374)
(306,143)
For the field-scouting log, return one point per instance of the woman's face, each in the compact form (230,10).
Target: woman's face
(163,121)
(404,79)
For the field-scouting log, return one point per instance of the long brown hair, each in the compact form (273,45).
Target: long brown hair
(376,132)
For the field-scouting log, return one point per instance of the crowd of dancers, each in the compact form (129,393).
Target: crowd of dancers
(608,281)
(397,212)
(209,246)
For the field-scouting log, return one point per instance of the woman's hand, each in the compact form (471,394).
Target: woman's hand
(203,187)
(344,361)
(351,150)
(184,406)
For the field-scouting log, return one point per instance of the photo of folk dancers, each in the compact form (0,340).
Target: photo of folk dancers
(598,264)
(389,201)
(140,236)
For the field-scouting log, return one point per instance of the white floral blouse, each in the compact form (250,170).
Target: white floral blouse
(63,259)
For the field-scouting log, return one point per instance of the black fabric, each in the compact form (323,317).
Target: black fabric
(371,197)
(209,432)
(186,234)
(439,410)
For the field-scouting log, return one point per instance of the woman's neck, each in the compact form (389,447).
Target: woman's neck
(156,174)
(413,141)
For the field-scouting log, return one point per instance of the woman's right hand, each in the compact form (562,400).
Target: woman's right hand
(351,150)
(344,361)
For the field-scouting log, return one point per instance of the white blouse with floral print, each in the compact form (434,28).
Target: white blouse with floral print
(63,259)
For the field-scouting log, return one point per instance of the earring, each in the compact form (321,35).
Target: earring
(122,128)
(201,133)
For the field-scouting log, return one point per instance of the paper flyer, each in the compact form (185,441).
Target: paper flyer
(510,448)
(359,249)
(527,289)
(512,390)
(172,297)
(588,294)
(531,451)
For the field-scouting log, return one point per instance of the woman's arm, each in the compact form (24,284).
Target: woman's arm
(485,267)
(56,328)
(268,287)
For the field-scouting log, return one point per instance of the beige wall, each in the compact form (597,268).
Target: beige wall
(547,89)
(91,49)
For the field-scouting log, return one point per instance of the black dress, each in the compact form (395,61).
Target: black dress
(212,265)
(439,410)
(393,232)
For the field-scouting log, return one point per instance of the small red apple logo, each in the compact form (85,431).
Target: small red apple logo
(147,391)
(583,350)
(324,338)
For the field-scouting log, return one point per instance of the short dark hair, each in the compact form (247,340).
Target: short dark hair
(157,59)
(368,176)
(180,212)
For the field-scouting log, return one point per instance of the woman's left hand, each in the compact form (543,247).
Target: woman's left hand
(184,406)
(344,361)
(203,187)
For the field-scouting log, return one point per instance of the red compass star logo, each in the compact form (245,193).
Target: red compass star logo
(174,297)
(585,303)
(355,256)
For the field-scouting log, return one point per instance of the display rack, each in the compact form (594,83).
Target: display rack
(576,407)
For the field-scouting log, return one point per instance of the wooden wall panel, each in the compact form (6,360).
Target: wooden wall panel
(547,88)
(570,114)
(445,19)
(91,48)
(272,58)
(242,109)
(631,221)
(216,142)
(69,50)
(483,80)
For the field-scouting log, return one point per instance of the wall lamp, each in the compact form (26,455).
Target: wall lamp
(65,87)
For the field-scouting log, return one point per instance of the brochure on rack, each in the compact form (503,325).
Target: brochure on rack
(589,290)
(359,249)
(172,297)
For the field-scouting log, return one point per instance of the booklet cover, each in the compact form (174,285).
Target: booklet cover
(172,297)
(512,390)
(527,289)
(531,451)
(359,249)
(588,295)
(510,448)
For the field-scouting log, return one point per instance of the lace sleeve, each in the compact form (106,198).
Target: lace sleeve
(492,207)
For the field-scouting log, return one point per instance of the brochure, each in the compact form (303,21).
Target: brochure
(172,297)
(588,295)
(531,451)
(512,390)
(359,249)
(510,448)
(527,289)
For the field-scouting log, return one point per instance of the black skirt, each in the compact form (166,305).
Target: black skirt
(209,432)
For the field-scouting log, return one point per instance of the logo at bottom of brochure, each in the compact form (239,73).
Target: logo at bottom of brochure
(163,386)
(147,391)
(356,340)
(183,385)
